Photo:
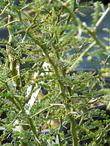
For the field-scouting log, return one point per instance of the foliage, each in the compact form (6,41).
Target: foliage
(41,35)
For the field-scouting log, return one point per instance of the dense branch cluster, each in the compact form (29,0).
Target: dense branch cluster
(44,100)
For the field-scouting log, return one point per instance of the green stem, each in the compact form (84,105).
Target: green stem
(33,128)
(92,32)
(103,16)
(62,87)
(75,64)
(73,131)
(44,48)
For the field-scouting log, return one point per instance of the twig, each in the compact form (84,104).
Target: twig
(9,23)
(102,17)
(80,58)
(4,9)
(44,109)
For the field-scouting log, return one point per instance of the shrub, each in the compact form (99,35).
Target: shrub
(39,86)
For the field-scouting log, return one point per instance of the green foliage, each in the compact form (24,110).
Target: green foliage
(43,32)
